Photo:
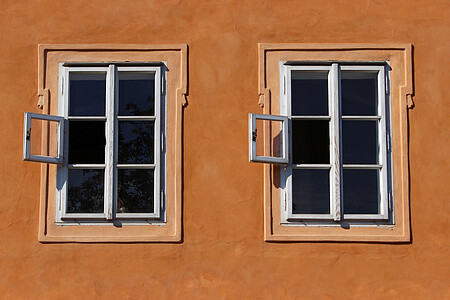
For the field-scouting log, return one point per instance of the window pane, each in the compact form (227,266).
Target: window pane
(310,191)
(360,142)
(87,142)
(359,93)
(136,94)
(309,92)
(85,191)
(310,142)
(277,137)
(87,94)
(136,142)
(135,191)
(361,191)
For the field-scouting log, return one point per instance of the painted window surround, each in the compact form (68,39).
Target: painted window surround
(175,58)
(399,58)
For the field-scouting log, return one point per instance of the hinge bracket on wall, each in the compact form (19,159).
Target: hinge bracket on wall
(162,86)
(43,96)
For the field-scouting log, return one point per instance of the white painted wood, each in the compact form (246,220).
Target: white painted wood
(111,133)
(27,156)
(157,143)
(335,172)
(382,137)
(136,118)
(335,165)
(310,117)
(361,166)
(87,118)
(63,170)
(86,166)
(136,166)
(311,166)
(252,134)
(109,147)
(362,118)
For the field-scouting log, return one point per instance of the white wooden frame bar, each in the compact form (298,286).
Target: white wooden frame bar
(382,131)
(27,156)
(311,166)
(157,143)
(62,170)
(327,118)
(86,166)
(136,166)
(136,118)
(286,173)
(111,133)
(284,159)
(335,165)
(86,118)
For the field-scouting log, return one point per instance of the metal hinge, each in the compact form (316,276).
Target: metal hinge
(285,200)
(62,85)
(162,86)
(388,141)
(162,200)
(284,84)
(162,142)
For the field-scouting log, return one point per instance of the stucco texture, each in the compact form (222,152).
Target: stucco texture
(223,254)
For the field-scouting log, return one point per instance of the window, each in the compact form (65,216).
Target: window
(338,168)
(112,156)
(111,142)
(345,178)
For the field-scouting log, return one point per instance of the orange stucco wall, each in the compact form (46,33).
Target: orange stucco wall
(223,253)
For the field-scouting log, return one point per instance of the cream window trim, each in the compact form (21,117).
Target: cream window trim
(399,86)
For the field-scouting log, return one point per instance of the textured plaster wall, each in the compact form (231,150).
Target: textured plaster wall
(223,254)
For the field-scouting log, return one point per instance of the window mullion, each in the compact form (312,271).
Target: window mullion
(110,129)
(335,172)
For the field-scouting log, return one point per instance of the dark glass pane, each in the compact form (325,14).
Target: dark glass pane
(310,142)
(310,191)
(85,191)
(359,93)
(87,142)
(87,94)
(309,92)
(136,142)
(135,191)
(361,194)
(136,94)
(360,142)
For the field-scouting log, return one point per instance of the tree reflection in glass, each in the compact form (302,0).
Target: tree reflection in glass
(136,142)
(136,94)
(85,191)
(135,191)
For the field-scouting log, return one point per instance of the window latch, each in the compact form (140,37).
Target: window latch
(254,135)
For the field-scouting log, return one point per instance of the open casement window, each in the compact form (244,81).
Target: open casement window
(27,136)
(338,168)
(110,165)
(279,147)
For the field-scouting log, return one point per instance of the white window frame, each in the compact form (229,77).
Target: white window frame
(335,166)
(27,156)
(284,159)
(111,133)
